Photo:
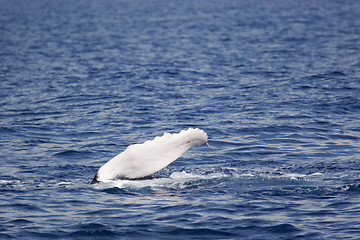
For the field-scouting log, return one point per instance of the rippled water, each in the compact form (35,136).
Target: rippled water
(275,84)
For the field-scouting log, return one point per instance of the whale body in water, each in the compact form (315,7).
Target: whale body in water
(142,160)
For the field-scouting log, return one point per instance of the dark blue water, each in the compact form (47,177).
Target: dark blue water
(275,84)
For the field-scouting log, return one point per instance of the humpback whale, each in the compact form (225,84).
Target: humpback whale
(142,160)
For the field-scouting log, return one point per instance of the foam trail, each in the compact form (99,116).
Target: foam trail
(141,160)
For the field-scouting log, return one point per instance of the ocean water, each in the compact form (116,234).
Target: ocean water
(275,84)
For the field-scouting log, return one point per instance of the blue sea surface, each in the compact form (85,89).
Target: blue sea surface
(275,84)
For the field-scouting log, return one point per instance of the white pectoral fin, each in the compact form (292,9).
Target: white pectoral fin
(141,160)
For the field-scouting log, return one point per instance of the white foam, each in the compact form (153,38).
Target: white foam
(177,180)
(316,174)
(293,176)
